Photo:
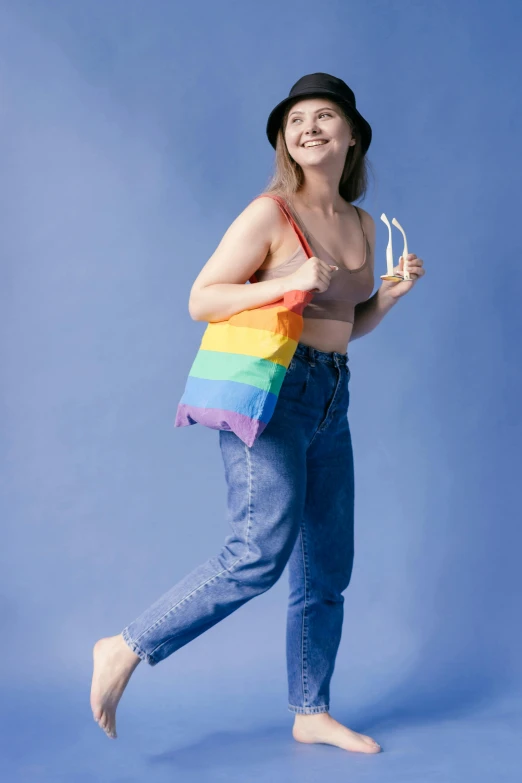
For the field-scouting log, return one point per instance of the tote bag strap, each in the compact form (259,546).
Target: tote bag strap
(285,210)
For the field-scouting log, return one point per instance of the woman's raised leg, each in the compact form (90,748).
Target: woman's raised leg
(266,494)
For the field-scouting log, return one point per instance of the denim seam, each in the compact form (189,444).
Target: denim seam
(329,412)
(250,483)
(306,379)
(327,418)
(309,710)
(304,628)
(144,656)
(162,619)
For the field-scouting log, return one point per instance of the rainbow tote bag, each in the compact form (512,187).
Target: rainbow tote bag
(241,363)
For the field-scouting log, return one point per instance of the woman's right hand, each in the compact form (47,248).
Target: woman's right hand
(313,275)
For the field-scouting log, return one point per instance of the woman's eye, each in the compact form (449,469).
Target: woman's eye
(324,114)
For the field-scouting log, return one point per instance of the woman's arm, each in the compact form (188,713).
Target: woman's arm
(219,290)
(370,313)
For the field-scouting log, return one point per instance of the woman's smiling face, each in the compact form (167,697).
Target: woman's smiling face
(317,119)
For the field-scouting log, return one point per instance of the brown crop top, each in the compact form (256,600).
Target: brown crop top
(347,287)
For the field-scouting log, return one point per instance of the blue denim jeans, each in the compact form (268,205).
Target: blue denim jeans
(290,502)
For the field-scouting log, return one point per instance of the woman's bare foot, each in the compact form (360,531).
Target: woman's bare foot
(114,663)
(321,727)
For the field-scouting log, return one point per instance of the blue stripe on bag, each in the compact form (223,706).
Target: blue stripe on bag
(231,396)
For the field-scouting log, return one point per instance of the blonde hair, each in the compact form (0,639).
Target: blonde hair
(288,177)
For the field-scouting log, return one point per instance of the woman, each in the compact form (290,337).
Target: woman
(291,495)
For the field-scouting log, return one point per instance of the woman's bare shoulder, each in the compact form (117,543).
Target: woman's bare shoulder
(266,205)
(365,216)
(245,245)
(264,215)
(368,225)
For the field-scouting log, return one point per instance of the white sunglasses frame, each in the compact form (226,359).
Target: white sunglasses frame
(390,274)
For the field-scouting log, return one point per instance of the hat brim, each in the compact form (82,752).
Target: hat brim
(276,116)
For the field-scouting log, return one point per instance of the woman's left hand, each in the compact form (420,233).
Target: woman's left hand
(398,289)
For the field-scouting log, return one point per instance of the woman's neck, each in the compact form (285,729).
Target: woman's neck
(321,196)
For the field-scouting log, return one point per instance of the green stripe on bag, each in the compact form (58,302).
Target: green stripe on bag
(219,366)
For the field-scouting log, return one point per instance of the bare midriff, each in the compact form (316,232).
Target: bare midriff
(326,335)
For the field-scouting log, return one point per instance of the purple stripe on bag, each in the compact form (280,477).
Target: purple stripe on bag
(244,427)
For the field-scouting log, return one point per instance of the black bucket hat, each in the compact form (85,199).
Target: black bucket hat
(315,84)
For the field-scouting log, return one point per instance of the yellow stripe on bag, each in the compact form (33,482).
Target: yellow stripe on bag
(278,319)
(224,337)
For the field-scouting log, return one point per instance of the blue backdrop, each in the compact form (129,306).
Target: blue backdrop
(132,134)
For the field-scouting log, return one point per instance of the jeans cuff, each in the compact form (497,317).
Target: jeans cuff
(137,649)
(309,710)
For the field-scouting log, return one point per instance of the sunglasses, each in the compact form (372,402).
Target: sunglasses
(390,274)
